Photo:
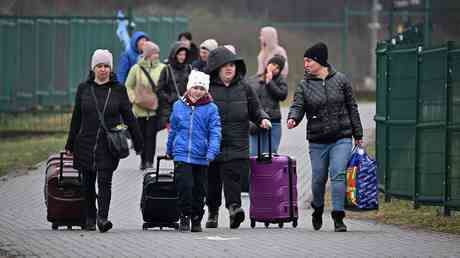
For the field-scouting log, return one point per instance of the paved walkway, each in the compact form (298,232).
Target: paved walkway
(24,231)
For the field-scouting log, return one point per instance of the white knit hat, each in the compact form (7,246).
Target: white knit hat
(197,78)
(102,56)
(209,44)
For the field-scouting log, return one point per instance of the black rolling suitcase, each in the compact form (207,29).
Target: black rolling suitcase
(159,201)
(63,196)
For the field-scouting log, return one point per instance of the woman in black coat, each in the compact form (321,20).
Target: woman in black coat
(172,83)
(87,140)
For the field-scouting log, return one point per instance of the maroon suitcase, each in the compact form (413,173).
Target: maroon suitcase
(63,194)
(273,188)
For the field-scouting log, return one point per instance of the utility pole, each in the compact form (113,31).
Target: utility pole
(374,27)
(427,24)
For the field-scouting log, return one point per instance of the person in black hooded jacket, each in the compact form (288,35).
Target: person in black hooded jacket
(87,140)
(238,104)
(172,83)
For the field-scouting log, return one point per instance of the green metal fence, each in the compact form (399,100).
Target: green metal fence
(44,58)
(418,123)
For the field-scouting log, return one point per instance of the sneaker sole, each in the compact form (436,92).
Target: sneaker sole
(340,230)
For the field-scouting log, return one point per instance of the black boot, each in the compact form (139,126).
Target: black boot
(338,216)
(196,224)
(148,164)
(213,219)
(90,224)
(317,217)
(184,223)
(236,216)
(142,165)
(104,224)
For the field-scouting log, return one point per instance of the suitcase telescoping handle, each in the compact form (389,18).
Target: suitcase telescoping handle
(157,171)
(61,166)
(259,151)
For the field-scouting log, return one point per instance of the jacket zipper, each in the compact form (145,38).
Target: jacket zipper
(327,96)
(190,134)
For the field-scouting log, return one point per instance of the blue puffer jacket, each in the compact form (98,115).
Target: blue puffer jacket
(130,57)
(195,132)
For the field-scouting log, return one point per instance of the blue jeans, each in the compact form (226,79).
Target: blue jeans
(276,138)
(332,158)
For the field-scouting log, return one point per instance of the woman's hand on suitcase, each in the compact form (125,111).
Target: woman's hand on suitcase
(266,124)
(291,123)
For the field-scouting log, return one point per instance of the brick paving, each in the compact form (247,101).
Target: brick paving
(24,231)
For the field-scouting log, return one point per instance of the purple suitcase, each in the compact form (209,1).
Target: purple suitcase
(273,189)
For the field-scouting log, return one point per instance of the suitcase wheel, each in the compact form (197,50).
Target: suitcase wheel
(145,226)
(253,223)
(267,224)
(280,225)
(294,223)
(69,227)
(54,226)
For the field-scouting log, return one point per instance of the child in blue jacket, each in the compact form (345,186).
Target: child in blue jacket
(194,141)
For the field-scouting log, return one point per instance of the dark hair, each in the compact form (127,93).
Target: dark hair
(185,34)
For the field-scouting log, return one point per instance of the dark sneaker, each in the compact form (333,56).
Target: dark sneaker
(184,224)
(90,224)
(338,217)
(104,225)
(213,220)
(236,216)
(196,224)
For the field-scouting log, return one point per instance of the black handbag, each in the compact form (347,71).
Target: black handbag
(116,137)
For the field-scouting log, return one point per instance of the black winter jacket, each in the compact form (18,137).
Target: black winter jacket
(271,94)
(199,65)
(238,104)
(167,92)
(329,106)
(181,72)
(87,139)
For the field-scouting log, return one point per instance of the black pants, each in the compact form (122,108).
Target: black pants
(148,128)
(104,183)
(226,174)
(192,184)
